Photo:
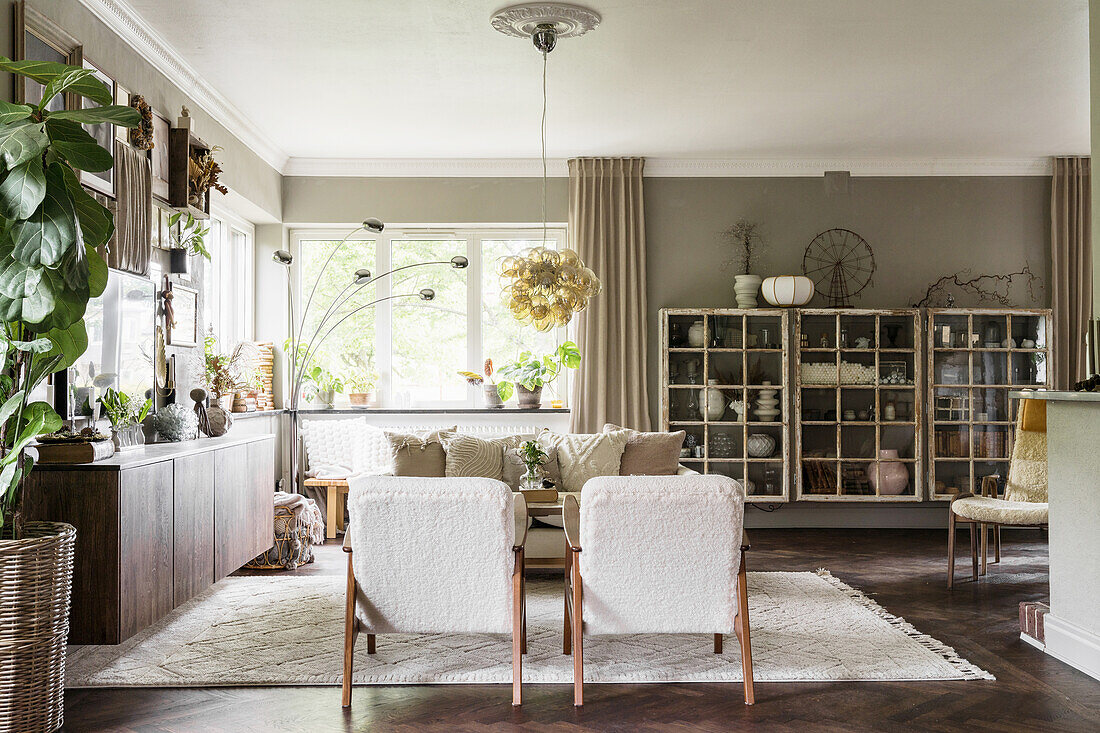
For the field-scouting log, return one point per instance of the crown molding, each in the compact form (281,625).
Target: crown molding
(135,32)
(669,167)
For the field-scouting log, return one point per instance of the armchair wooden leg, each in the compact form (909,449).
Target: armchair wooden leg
(567,633)
(741,626)
(351,627)
(517,630)
(985,544)
(996,543)
(717,643)
(331,499)
(523,600)
(370,643)
(974,550)
(578,636)
(950,549)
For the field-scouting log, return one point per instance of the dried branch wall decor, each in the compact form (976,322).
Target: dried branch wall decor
(141,137)
(994,288)
(202,174)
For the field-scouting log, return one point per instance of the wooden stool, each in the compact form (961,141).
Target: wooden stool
(335,489)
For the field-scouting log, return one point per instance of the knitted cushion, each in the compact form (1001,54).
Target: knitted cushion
(586,456)
(331,446)
(371,454)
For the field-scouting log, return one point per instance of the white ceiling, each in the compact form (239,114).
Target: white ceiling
(839,79)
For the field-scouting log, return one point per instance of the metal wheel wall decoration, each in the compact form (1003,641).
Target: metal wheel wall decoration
(840,263)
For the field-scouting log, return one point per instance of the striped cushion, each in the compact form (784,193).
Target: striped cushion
(471,457)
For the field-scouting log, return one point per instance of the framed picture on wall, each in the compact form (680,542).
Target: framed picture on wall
(183,328)
(37,38)
(158,156)
(104,134)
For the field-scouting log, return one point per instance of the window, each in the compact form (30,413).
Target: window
(228,288)
(416,347)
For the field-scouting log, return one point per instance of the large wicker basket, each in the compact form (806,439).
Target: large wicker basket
(35,583)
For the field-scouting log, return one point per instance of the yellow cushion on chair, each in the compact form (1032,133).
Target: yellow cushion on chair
(1027,473)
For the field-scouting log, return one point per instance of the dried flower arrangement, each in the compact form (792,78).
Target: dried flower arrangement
(743,238)
(141,137)
(224,374)
(202,175)
(988,288)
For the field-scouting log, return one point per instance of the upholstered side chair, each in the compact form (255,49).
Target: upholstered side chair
(1025,497)
(656,555)
(434,555)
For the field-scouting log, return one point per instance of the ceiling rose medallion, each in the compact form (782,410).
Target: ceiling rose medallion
(521,21)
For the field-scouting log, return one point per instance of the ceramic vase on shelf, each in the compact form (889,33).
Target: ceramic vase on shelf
(697,334)
(766,405)
(712,403)
(745,289)
(788,291)
(892,477)
(760,445)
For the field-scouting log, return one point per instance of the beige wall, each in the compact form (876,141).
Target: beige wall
(245,172)
(1094,67)
(332,200)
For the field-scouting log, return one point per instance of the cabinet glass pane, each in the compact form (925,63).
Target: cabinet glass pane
(765,478)
(992,331)
(726,442)
(765,404)
(990,367)
(951,404)
(685,368)
(896,368)
(764,368)
(819,368)
(693,441)
(728,332)
(857,405)
(991,441)
(896,332)
(857,332)
(897,405)
(1028,368)
(951,331)
(764,442)
(1029,332)
(893,478)
(855,478)
(990,405)
(819,331)
(764,332)
(819,441)
(726,367)
(819,477)
(951,367)
(951,441)
(818,405)
(857,441)
(900,438)
(952,477)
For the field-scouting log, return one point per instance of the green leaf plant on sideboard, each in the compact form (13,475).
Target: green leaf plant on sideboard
(50,228)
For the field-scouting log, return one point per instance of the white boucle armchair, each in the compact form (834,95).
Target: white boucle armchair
(656,555)
(434,555)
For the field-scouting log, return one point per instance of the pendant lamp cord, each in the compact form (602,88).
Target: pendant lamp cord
(543,137)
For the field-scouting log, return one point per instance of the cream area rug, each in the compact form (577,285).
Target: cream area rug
(287,630)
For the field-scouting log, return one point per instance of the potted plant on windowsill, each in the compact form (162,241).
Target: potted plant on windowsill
(50,228)
(126,415)
(322,386)
(493,400)
(528,374)
(360,378)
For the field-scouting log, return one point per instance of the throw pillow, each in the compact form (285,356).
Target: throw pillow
(419,454)
(650,454)
(514,467)
(471,456)
(585,456)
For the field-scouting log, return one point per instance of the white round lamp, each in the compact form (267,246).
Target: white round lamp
(787,291)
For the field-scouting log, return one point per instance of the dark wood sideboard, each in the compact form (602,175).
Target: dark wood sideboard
(156,525)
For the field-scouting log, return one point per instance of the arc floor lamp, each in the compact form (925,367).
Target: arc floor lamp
(304,346)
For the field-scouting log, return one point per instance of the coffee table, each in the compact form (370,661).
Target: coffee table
(547,509)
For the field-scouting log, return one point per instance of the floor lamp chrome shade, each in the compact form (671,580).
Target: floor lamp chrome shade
(306,344)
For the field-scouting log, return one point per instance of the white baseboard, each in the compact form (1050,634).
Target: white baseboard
(1032,641)
(1069,643)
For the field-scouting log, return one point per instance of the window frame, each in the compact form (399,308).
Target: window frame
(231,278)
(473,236)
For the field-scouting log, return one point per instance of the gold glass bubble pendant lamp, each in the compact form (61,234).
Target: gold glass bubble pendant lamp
(545,287)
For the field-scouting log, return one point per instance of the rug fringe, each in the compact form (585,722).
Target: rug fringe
(967,669)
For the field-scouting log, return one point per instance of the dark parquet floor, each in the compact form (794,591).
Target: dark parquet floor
(904,570)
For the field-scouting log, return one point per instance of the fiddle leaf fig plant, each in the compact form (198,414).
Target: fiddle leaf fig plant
(50,228)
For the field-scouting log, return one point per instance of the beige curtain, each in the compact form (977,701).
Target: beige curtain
(131,246)
(1071,256)
(607,229)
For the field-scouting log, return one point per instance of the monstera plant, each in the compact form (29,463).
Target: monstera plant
(49,268)
(50,228)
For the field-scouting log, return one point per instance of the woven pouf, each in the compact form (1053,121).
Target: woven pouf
(292,546)
(36,575)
